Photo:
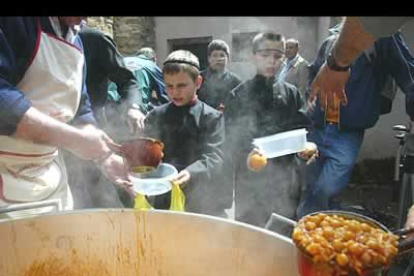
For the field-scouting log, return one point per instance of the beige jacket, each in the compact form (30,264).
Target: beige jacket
(297,74)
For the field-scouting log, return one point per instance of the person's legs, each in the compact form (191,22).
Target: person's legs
(339,151)
(272,190)
(342,154)
(250,189)
(283,194)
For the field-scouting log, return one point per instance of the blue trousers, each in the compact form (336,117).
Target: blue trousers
(329,174)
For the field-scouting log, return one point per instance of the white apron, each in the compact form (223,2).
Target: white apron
(53,83)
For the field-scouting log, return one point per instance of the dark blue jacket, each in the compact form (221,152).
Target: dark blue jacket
(17,43)
(367,80)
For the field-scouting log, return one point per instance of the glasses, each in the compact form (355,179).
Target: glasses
(275,53)
(219,56)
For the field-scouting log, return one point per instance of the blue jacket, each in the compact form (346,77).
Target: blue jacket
(17,43)
(367,80)
(149,78)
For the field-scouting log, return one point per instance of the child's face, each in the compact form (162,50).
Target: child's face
(181,88)
(218,60)
(268,58)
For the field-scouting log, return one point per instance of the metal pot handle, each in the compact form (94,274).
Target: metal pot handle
(281,219)
(405,244)
(32,205)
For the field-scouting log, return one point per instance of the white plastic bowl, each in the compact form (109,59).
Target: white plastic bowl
(155,182)
(283,143)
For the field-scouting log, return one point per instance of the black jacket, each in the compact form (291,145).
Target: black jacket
(260,107)
(216,87)
(193,136)
(104,63)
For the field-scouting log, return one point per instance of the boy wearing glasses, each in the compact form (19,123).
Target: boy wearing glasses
(259,107)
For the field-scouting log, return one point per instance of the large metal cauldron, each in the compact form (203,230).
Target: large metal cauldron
(133,243)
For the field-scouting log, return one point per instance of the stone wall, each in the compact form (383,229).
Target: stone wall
(104,24)
(129,33)
(132,33)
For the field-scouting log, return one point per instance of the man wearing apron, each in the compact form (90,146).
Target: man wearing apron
(42,88)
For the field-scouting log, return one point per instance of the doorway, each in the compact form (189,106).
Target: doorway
(196,45)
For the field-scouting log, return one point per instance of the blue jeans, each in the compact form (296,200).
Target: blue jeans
(329,174)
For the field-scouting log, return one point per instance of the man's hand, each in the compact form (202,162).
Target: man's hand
(135,120)
(182,178)
(256,160)
(326,84)
(257,151)
(220,107)
(115,169)
(91,143)
(86,141)
(310,153)
(410,219)
(310,107)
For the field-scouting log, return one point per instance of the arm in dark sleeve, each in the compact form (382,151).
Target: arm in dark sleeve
(113,62)
(212,156)
(238,134)
(84,115)
(230,114)
(400,62)
(235,81)
(297,118)
(13,103)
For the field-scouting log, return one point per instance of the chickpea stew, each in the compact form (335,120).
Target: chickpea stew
(344,243)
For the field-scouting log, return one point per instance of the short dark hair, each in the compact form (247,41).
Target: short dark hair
(218,45)
(261,37)
(182,60)
(148,52)
(293,41)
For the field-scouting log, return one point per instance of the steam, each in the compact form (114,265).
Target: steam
(274,189)
(240,60)
(90,188)
(239,35)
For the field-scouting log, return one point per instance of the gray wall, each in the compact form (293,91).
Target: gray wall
(308,30)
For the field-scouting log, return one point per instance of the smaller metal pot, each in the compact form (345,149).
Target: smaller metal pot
(307,267)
